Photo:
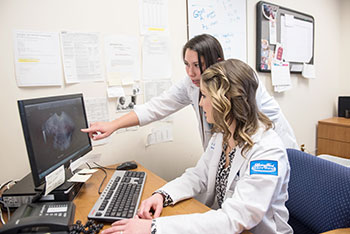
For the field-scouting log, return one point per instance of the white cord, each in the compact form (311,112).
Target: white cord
(8,213)
(2,219)
(8,184)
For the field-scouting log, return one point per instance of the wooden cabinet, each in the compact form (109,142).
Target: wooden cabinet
(333,137)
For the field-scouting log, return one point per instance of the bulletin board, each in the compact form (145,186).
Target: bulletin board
(280,27)
(223,19)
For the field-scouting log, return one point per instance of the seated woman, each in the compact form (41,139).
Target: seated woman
(243,175)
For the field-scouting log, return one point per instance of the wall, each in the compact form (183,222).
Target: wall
(308,102)
(312,100)
(345,47)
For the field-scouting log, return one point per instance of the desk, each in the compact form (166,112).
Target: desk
(333,137)
(88,195)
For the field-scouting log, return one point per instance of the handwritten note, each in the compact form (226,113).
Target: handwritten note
(224,19)
(54,179)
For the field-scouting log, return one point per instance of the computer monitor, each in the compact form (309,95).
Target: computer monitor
(344,106)
(51,128)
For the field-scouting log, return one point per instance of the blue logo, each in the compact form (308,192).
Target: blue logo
(266,167)
(212,146)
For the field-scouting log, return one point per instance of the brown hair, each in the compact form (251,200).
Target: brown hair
(207,47)
(232,85)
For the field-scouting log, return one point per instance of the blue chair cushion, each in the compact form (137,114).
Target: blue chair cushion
(319,193)
(299,227)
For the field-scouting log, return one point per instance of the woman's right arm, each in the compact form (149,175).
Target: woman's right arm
(100,130)
(172,100)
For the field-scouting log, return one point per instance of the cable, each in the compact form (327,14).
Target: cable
(8,212)
(7,184)
(107,168)
(104,178)
(2,219)
(39,195)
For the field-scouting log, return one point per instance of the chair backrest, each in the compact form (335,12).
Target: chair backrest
(319,194)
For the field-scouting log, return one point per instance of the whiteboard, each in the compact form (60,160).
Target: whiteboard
(224,19)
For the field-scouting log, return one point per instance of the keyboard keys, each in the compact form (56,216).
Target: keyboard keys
(120,198)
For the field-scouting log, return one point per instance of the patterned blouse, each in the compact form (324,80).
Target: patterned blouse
(220,184)
(222,175)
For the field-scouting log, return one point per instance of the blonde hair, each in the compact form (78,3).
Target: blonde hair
(232,85)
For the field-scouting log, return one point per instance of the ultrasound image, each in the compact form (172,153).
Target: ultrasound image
(58,131)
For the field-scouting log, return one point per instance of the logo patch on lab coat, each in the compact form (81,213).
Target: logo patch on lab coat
(266,167)
(212,146)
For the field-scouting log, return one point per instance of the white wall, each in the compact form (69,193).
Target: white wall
(313,100)
(308,102)
(345,47)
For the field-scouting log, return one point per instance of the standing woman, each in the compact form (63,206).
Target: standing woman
(244,171)
(199,53)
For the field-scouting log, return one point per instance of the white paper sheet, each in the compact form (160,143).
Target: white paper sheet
(156,62)
(155,88)
(289,20)
(87,171)
(54,179)
(153,16)
(79,178)
(81,57)
(160,134)
(122,59)
(308,71)
(37,58)
(297,40)
(297,67)
(272,32)
(282,88)
(97,111)
(115,91)
(280,74)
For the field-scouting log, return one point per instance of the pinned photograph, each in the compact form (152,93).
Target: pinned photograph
(126,103)
(269,12)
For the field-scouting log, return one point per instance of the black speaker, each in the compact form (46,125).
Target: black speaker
(344,106)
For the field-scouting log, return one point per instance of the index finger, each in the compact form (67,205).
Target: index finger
(85,130)
(158,210)
(88,131)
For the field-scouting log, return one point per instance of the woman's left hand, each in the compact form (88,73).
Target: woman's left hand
(130,226)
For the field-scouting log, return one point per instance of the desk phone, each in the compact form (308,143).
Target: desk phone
(41,218)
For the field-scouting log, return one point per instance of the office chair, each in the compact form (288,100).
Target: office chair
(319,194)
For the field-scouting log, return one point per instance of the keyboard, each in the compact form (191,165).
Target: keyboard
(120,198)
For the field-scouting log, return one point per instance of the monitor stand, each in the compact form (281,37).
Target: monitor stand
(24,190)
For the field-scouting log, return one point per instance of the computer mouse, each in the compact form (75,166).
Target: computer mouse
(127,165)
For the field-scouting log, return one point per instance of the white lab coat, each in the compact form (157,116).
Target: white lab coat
(252,202)
(185,92)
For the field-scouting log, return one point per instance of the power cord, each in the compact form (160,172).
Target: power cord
(8,184)
(39,195)
(8,213)
(106,168)
(102,169)
(3,187)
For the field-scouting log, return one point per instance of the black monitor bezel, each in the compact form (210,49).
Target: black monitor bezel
(21,106)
